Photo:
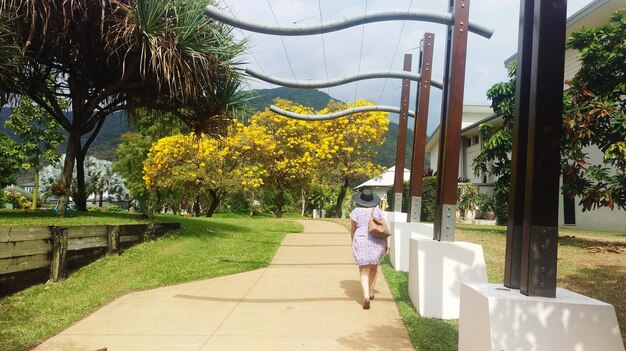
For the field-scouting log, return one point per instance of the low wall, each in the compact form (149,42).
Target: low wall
(33,255)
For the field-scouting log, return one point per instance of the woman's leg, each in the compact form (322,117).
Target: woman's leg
(373,271)
(364,273)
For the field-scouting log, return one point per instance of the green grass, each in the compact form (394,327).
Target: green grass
(426,334)
(203,248)
(10,218)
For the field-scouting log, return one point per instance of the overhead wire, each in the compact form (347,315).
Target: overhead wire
(282,39)
(356,88)
(319,4)
(243,34)
(394,56)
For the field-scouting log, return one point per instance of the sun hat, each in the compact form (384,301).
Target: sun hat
(366,198)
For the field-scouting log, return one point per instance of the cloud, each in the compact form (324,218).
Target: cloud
(344,52)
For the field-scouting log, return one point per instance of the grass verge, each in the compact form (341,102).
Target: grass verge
(14,218)
(203,248)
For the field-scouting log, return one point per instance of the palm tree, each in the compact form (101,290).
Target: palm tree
(132,55)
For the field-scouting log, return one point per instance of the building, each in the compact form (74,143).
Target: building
(593,15)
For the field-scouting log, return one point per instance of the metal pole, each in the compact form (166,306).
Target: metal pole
(540,228)
(331,26)
(513,253)
(337,114)
(450,141)
(315,84)
(421,123)
(402,131)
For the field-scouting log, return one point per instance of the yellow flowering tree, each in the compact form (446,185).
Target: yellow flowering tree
(288,156)
(202,164)
(345,152)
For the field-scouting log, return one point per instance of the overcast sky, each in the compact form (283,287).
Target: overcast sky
(377,46)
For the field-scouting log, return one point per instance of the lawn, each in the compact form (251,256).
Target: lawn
(10,218)
(203,248)
(589,263)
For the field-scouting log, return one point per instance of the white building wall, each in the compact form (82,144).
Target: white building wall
(434,157)
(470,154)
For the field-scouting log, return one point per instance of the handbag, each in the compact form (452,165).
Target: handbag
(378,227)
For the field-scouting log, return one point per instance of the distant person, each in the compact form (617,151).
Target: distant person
(196,208)
(366,249)
(184,206)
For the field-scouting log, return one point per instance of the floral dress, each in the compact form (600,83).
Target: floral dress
(366,249)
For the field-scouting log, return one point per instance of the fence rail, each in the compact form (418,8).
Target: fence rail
(31,255)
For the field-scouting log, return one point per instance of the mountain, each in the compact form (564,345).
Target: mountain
(117,124)
(263,98)
(103,147)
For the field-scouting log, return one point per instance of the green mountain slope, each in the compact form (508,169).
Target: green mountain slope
(108,139)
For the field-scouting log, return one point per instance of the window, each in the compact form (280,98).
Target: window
(475,140)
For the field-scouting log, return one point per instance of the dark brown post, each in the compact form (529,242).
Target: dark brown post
(58,268)
(513,255)
(450,139)
(402,130)
(540,229)
(113,240)
(419,132)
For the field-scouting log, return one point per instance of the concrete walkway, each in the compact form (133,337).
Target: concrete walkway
(309,298)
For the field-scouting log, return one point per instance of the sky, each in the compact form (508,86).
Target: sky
(375,47)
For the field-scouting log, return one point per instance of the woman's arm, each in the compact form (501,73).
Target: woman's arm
(352,230)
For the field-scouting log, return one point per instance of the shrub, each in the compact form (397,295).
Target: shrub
(19,202)
(112,208)
(93,209)
(429,191)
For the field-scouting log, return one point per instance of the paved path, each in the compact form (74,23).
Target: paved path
(307,299)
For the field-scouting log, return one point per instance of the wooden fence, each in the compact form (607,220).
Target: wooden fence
(32,255)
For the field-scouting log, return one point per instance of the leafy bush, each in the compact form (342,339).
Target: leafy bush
(19,202)
(93,209)
(428,199)
(429,191)
(112,208)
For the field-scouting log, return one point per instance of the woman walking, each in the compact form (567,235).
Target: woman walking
(366,249)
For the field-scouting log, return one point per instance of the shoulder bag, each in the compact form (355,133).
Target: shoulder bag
(378,227)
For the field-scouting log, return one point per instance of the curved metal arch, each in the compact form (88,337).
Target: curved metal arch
(332,83)
(334,115)
(380,16)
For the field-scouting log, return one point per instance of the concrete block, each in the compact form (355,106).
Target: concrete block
(399,242)
(436,271)
(497,318)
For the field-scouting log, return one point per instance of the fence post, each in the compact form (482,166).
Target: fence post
(58,268)
(113,239)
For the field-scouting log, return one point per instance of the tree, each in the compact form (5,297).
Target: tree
(133,150)
(289,152)
(498,143)
(191,164)
(345,152)
(12,160)
(9,51)
(595,115)
(111,55)
(39,136)
(100,178)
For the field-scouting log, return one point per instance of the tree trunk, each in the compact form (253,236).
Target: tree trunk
(66,175)
(280,203)
(341,197)
(81,193)
(100,194)
(216,198)
(35,188)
